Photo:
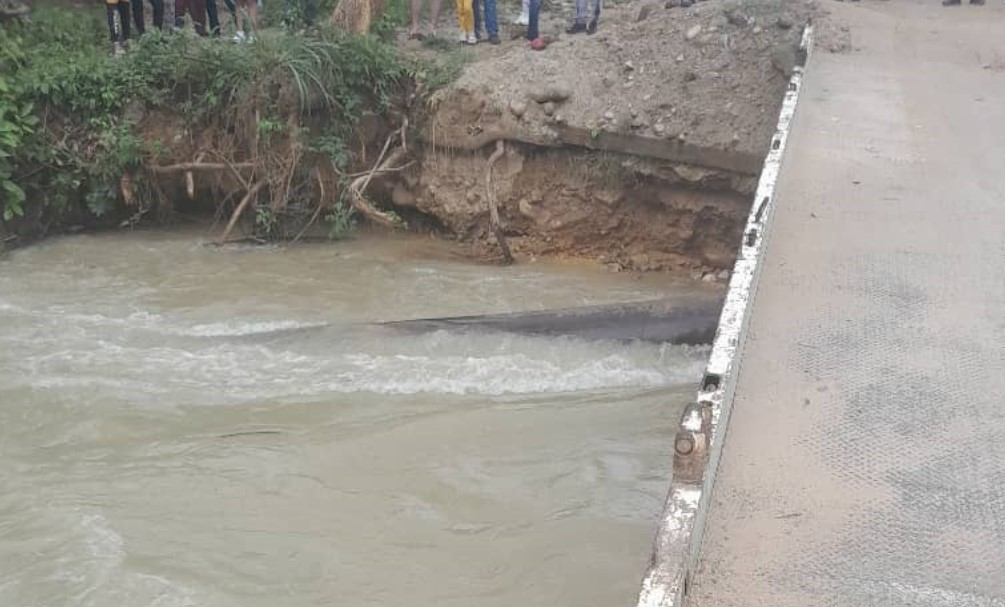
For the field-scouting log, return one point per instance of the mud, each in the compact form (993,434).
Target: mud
(637,147)
(626,212)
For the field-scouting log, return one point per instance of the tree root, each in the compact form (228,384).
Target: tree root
(496,224)
(358,185)
(240,209)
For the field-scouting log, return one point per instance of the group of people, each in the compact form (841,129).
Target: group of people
(477,18)
(120,11)
(472,15)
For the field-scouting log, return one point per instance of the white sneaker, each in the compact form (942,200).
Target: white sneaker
(523,19)
(239,36)
(471,38)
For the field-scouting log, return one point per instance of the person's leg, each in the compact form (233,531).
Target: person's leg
(578,25)
(533,19)
(434,14)
(158,6)
(180,8)
(124,18)
(253,13)
(465,20)
(233,14)
(524,17)
(591,27)
(111,13)
(491,21)
(415,11)
(138,17)
(197,8)
(214,18)
(476,8)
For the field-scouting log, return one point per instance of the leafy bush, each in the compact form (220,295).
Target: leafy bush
(71,115)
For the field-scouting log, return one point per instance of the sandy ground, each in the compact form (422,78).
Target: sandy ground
(709,75)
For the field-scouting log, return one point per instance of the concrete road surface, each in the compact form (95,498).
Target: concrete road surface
(864,464)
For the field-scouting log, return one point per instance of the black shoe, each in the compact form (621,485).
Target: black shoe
(977,2)
(494,39)
(592,27)
(950,2)
(576,28)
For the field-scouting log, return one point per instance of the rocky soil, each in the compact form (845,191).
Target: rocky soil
(638,146)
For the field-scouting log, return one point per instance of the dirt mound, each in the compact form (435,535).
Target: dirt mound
(710,75)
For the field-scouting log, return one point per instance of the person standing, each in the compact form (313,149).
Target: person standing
(117,12)
(157,5)
(250,8)
(213,15)
(466,21)
(415,8)
(585,22)
(487,9)
(537,43)
(196,10)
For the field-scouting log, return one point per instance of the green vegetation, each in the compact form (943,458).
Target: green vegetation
(82,130)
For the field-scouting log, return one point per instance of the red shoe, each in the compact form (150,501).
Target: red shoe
(538,44)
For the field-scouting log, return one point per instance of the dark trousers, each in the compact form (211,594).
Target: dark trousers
(120,33)
(196,9)
(157,5)
(214,17)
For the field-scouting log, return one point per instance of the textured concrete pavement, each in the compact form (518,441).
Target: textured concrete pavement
(864,463)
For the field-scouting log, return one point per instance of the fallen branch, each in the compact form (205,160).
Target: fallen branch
(317,211)
(233,168)
(199,166)
(358,186)
(381,171)
(493,209)
(240,209)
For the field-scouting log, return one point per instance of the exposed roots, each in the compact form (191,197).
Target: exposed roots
(490,195)
(240,209)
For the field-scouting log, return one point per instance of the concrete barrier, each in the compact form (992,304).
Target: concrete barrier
(702,429)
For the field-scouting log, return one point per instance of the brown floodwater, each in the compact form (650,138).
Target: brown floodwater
(167,439)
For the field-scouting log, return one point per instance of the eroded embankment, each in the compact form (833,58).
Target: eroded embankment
(638,147)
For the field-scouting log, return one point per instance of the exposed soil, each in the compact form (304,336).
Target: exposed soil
(638,146)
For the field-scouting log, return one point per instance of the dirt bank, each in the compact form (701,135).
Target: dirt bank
(638,146)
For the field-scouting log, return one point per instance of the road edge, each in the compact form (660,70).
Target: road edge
(702,430)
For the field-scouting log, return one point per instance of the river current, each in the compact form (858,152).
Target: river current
(183,425)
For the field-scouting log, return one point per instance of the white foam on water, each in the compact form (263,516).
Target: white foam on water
(437,363)
(240,328)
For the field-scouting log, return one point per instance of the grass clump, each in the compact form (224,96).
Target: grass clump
(83,131)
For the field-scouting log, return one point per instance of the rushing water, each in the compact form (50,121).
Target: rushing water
(166,441)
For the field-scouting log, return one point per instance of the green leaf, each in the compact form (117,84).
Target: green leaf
(14,192)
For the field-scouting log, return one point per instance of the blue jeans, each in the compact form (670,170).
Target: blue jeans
(535,14)
(491,23)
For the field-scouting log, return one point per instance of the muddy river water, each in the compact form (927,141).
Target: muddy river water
(167,440)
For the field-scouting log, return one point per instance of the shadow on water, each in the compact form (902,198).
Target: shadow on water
(685,321)
(692,321)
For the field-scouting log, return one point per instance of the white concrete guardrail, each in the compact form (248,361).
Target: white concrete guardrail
(702,430)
